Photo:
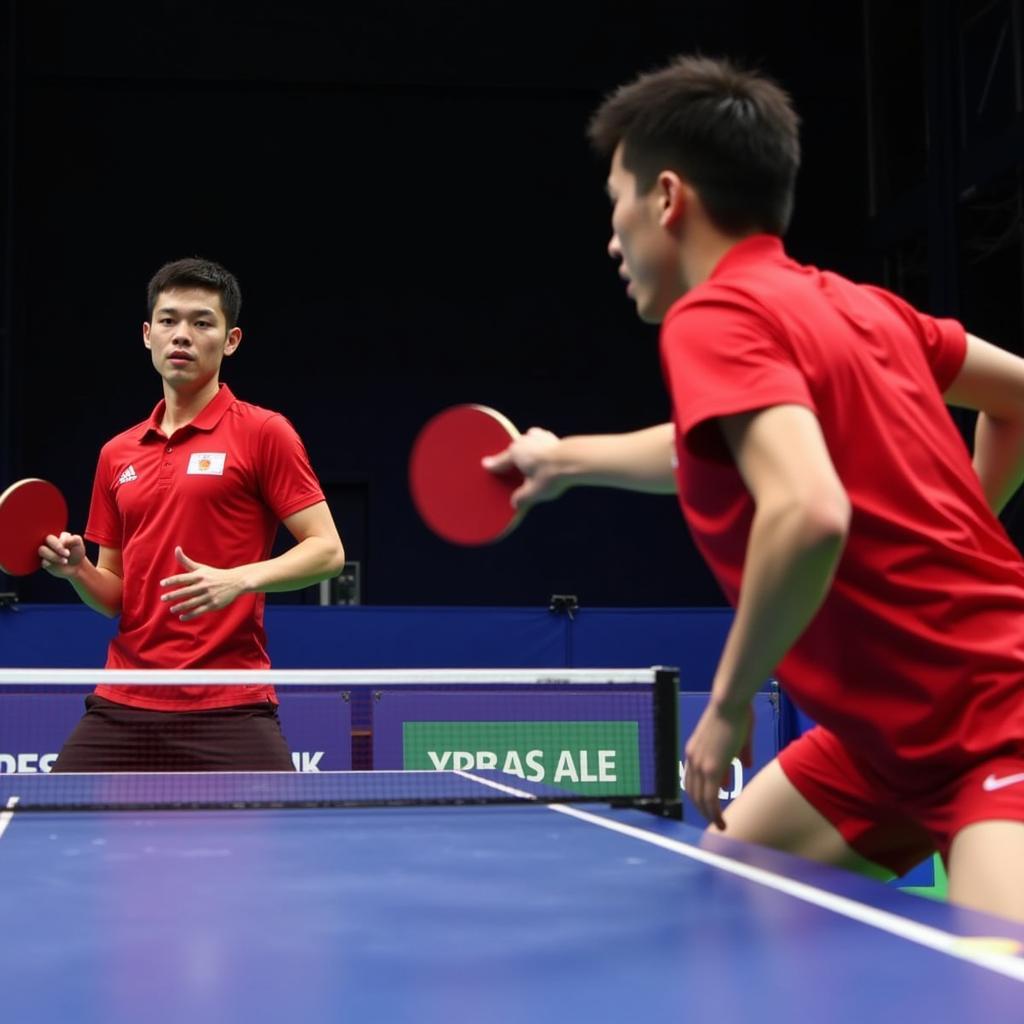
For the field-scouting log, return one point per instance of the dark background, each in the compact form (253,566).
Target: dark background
(406,195)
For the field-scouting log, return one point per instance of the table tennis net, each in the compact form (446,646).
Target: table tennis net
(350,738)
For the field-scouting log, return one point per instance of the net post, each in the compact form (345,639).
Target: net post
(666,742)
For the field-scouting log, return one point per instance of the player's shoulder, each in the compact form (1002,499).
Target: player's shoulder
(127,438)
(251,414)
(259,421)
(889,298)
(724,299)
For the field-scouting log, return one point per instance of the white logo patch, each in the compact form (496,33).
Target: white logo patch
(128,476)
(991,784)
(207,463)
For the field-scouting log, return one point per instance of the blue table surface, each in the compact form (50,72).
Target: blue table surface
(524,913)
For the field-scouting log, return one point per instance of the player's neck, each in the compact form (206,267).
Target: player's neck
(182,406)
(705,250)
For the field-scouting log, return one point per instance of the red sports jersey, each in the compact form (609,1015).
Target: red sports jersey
(918,651)
(218,488)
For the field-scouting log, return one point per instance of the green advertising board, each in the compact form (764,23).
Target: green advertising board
(595,758)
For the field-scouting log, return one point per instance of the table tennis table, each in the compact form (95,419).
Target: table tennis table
(517,913)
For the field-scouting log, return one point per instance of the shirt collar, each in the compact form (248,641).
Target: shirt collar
(755,249)
(209,416)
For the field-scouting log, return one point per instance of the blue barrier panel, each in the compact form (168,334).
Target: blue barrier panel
(33,728)
(365,637)
(690,638)
(310,636)
(54,636)
(318,729)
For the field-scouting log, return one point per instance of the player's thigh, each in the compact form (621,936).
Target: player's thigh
(772,812)
(986,868)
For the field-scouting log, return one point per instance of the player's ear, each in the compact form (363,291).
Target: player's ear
(234,339)
(145,335)
(673,195)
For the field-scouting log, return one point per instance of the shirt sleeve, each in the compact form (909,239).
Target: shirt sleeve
(943,341)
(286,478)
(104,524)
(721,356)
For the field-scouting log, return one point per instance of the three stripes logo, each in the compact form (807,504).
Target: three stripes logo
(128,476)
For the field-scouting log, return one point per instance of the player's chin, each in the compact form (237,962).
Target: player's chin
(649,308)
(649,317)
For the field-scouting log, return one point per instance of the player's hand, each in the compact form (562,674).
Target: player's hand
(201,589)
(719,735)
(62,556)
(531,453)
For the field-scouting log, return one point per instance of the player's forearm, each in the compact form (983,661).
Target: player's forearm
(999,457)
(637,461)
(791,557)
(307,563)
(98,588)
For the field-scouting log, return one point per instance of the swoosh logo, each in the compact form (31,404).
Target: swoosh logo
(992,783)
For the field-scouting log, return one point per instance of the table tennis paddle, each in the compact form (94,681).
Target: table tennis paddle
(455,496)
(30,510)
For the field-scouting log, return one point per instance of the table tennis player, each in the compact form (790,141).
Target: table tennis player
(185,507)
(829,491)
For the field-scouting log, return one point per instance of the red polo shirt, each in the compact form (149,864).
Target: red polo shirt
(917,653)
(217,487)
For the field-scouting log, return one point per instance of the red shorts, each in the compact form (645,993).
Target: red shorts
(885,824)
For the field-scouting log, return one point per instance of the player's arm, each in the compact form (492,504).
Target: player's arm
(800,523)
(99,586)
(637,461)
(317,555)
(991,381)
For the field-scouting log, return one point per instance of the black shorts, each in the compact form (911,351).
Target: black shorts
(113,737)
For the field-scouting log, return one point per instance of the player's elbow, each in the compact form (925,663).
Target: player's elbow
(336,558)
(825,518)
(108,611)
(815,519)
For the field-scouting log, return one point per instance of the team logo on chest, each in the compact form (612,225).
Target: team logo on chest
(206,463)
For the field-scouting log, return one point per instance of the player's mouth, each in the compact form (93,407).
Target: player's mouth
(180,358)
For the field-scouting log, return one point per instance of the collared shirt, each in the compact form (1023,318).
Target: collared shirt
(918,650)
(218,488)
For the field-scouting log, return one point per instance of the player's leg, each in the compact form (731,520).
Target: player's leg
(986,868)
(981,816)
(105,739)
(771,811)
(245,737)
(818,801)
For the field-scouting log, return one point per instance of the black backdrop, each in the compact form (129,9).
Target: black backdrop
(406,194)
